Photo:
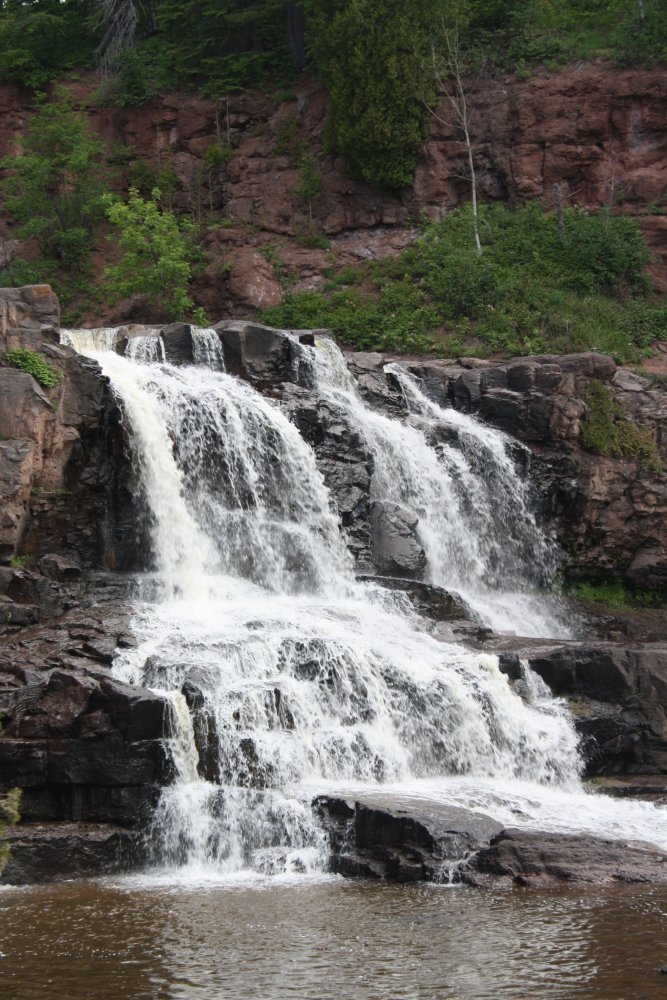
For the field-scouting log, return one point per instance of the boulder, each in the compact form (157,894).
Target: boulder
(526,857)
(260,354)
(178,345)
(395,543)
(428,600)
(402,839)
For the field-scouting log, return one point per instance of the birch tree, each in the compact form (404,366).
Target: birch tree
(457,116)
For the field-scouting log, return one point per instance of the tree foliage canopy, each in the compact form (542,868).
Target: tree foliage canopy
(158,251)
(55,186)
(371,54)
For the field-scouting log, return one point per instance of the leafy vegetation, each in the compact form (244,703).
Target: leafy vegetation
(36,365)
(374,55)
(530,291)
(158,253)
(606,429)
(615,595)
(54,189)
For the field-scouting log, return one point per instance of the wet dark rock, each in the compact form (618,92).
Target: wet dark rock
(523,857)
(378,388)
(64,465)
(343,459)
(51,852)
(260,354)
(178,343)
(205,730)
(58,566)
(402,840)
(428,600)
(395,543)
(82,746)
(617,693)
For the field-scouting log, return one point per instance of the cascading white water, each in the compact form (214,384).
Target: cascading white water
(296,677)
(475,523)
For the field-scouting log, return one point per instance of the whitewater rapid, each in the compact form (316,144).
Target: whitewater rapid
(286,675)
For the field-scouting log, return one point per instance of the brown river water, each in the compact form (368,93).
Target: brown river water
(329,939)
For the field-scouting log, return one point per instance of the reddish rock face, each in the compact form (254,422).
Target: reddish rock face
(597,131)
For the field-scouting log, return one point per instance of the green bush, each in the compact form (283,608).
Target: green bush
(530,291)
(36,365)
(615,595)
(158,253)
(607,431)
(374,57)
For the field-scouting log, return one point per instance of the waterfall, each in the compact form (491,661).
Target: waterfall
(456,474)
(286,675)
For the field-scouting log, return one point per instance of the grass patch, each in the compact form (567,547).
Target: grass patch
(531,290)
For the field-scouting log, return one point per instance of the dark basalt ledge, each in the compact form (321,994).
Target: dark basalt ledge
(86,750)
(408,840)
(617,694)
(51,852)
(432,602)
(383,835)
(536,859)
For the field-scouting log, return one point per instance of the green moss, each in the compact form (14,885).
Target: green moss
(607,431)
(36,365)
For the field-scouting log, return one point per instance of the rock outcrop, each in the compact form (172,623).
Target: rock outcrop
(65,479)
(384,836)
(405,839)
(618,695)
(610,513)
(531,858)
(83,747)
(597,131)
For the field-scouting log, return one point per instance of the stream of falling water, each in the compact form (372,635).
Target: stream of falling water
(475,523)
(287,676)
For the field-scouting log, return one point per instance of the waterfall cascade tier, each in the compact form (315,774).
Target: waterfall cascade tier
(285,674)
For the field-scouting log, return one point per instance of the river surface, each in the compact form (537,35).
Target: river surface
(325,938)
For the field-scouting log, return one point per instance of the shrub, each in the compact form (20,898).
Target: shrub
(530,291)
(615,595)
(158,252)
(36,365)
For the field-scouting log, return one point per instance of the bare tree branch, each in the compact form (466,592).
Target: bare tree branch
(118,19)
